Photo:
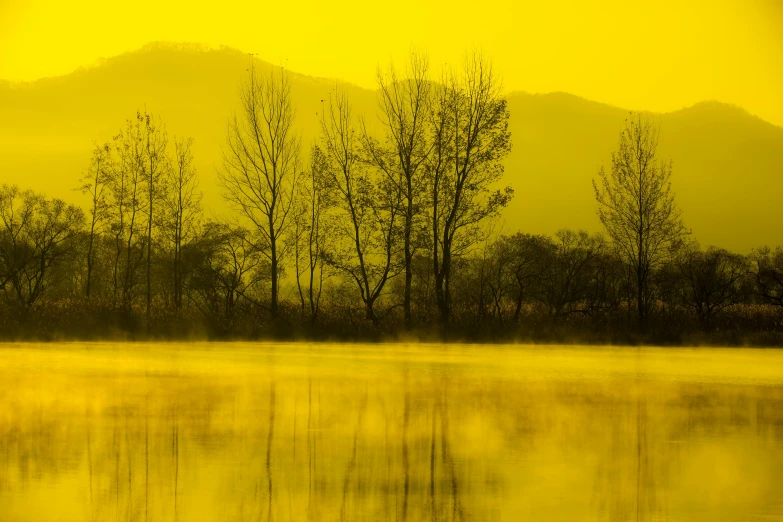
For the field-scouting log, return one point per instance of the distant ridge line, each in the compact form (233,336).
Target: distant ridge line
(203,48)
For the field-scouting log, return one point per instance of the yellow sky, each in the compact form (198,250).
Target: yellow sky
(657,55)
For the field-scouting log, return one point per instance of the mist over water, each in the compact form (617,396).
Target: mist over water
(103,432)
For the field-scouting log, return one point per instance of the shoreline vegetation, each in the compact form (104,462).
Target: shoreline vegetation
(382,234)
(744,326)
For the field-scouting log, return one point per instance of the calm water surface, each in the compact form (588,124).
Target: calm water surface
(196,432)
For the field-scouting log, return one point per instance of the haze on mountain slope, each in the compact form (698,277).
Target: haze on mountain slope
(728,164)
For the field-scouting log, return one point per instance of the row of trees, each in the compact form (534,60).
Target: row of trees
(375,228)
(582,274)
(142,192)
(425,184)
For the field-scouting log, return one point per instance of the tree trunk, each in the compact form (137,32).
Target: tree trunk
(273,251)
(518,308)
(126,297)
(89,262)
(408,258)
(177,276)
(115,274)
(369,313)
(442,293)
(640,305)
(149,264)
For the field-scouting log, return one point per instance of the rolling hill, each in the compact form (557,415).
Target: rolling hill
(728,164)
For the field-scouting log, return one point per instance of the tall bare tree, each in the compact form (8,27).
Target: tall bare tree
(183,204)
(404,105)
(95,183)
(311,232)
(470,139)
(154,163)
(367,207)
(261,163)
(636,205)
(127,200)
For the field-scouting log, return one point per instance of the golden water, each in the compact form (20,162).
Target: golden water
(196,432)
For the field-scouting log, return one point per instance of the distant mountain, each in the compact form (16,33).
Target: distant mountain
(728,164)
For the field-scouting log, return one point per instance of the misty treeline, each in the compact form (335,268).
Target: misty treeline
(377,230)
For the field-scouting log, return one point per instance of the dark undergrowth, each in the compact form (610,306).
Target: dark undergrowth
(740,325)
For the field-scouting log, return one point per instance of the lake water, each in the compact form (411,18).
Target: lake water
(235,432)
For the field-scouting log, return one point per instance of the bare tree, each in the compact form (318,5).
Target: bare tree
(261,163)
(367,207)
(311,232)
(494,284)
(121,175)
(470,138)
(95,183)
(636,205)
(229,265)
(767,274)
(130,172)
(17,211)
(183,204)
(404,105)
(523,254)
(36,234)
(566,272)
(714,280)
(154,163)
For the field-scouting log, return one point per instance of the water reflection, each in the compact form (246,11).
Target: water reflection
(112,434)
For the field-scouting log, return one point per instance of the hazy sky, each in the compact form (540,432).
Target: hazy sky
(658,55)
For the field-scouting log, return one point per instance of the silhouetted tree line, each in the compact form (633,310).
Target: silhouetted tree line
(369,235)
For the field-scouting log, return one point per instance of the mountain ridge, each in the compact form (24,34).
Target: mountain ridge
(198,48)
(722,154)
